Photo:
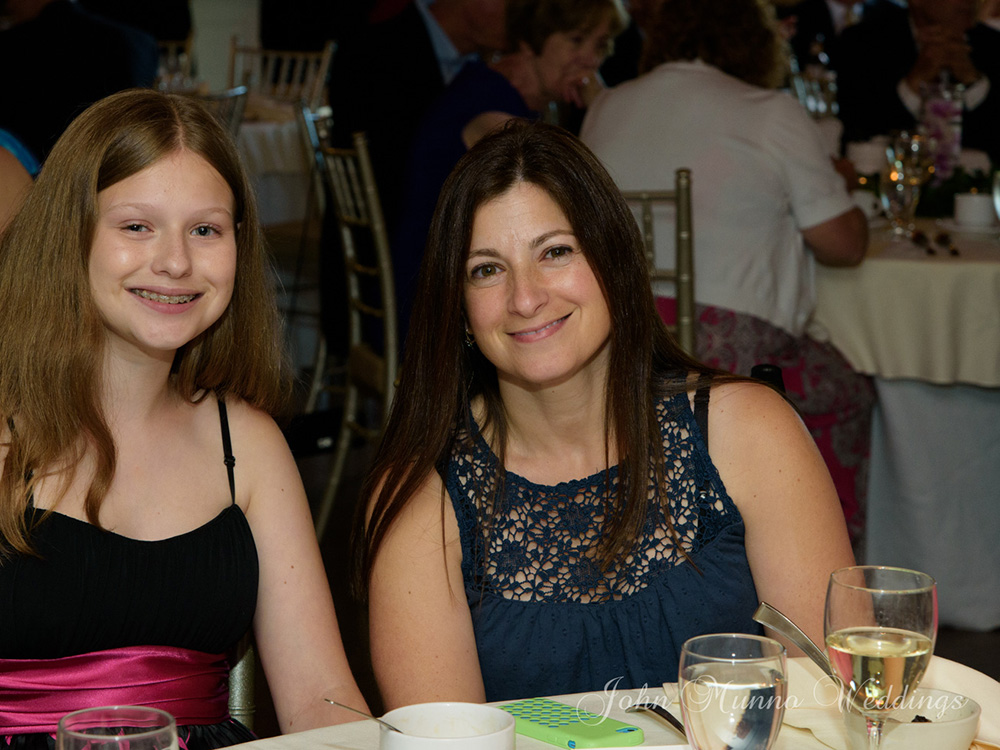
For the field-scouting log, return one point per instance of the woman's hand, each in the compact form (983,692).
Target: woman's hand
(583,89)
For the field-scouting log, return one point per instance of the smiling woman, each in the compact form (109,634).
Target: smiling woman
(141,359)
(547,511)
(532,302)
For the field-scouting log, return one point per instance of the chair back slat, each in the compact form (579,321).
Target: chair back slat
(228,106)
(283,75)
(373,346)
(682,274)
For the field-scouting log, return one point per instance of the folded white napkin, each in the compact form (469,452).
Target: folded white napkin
(814,715)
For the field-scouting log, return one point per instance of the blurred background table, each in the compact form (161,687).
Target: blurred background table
(927,327)
(276,160)
(273,148)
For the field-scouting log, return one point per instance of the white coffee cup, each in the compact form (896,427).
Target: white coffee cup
(462,726)
(975,210)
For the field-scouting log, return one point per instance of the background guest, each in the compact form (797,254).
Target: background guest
(818,25)
(57,58)
(890,59)
(553,509)
(17,168)
(383,79)
(386,76)
(554,50)
(767,205)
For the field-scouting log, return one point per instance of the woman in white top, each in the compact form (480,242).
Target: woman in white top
(767,204)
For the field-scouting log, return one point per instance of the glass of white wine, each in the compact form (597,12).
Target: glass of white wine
(880,627)
(732,691)
(910,164)
(117,728)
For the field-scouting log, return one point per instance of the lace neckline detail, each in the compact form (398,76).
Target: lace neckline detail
(541,544)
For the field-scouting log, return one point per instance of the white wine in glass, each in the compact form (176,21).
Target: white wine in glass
(880,629)
(732,691)
(117,728)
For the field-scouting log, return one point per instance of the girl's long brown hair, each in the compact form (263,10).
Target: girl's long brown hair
(441,375)
(52,339)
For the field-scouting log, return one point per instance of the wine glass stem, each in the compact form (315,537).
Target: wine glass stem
(874,732)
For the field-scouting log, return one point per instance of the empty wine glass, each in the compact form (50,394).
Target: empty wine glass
(732,691)
(880,628)
(910,159)
(117,728)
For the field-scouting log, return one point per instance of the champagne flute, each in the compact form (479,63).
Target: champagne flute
(880,627)
(910,164)
(117,728)
(732,691)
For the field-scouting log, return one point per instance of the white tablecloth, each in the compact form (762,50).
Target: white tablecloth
(928,328)
(906,314)
(275,157)
(817,712)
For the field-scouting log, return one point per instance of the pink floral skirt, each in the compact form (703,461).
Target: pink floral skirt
(834,401)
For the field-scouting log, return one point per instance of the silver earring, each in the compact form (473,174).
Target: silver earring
(470,340)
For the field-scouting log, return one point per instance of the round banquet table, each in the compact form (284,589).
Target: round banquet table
(927,327)
(812,719)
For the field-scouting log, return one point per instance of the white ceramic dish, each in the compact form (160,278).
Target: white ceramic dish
(954,721)
(465,726)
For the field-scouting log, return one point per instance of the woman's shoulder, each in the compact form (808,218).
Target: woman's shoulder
(420,512)
(756,435)
(242,413)
(733,402)
(257,441)
(750,409)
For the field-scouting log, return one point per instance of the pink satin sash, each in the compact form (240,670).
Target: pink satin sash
(190,685)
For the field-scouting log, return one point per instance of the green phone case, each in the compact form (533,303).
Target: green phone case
(567,726)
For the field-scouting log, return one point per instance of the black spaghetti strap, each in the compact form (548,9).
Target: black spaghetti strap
(701,404)
(227,449)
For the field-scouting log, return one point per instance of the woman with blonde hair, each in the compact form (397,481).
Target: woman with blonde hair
(150,511)
(562,497)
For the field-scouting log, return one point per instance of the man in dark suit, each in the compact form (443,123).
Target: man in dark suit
(57,58)
(384,78)
(819,24)
(382,81)
(895,54)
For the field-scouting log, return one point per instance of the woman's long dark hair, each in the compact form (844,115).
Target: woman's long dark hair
(441,375)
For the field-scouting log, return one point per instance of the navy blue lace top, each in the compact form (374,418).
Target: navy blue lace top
(548,621)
